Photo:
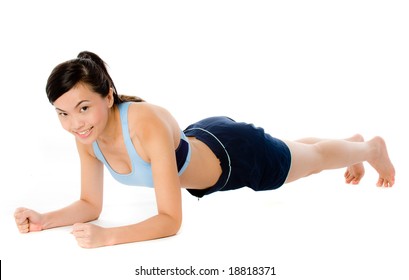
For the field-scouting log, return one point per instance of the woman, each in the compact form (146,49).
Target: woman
(142,144)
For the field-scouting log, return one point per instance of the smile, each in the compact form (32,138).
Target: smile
(84,133)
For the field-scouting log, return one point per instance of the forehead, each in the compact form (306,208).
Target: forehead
(71,98)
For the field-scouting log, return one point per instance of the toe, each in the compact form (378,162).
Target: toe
(348,177)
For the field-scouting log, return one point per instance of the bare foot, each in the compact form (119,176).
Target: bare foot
(382,163)
(354,173)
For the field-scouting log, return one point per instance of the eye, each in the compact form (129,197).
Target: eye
(62,114)
(84,109)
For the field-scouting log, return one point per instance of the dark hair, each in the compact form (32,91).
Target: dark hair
(88,68)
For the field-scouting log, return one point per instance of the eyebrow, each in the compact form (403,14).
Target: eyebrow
(76,106)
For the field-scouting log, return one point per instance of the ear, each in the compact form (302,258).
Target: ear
(110,97)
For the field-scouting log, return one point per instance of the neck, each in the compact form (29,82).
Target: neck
(113,128)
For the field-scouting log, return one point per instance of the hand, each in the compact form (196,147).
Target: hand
(28,220)
(89,235)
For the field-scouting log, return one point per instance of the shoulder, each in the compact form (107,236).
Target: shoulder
(147,110)
(152,128)
(144,117)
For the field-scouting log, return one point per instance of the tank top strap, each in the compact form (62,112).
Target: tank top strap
(123,113)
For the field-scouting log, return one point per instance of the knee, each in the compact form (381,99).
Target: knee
(317,159)
(307,159)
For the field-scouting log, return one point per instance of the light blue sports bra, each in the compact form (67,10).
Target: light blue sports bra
(141,174)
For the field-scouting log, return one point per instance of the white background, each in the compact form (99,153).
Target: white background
(296,68)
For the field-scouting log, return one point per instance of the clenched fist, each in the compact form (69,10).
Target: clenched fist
(28,220)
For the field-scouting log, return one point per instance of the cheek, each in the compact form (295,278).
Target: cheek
(99,118)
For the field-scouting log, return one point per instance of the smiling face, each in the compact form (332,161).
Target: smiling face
(83,112)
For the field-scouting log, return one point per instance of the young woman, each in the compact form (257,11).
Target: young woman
(141,144)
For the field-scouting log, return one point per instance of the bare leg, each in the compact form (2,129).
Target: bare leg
(355,172)
(312,155)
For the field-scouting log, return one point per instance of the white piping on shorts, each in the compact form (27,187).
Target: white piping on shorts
(224,148)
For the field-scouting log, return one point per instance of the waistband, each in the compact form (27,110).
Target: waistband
(221,153)
(183,154)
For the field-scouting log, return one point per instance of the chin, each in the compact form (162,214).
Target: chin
(87,141)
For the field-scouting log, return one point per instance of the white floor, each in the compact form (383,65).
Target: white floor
(296,69)
(313,229)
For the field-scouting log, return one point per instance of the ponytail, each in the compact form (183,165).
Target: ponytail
(118,98)
(89,69)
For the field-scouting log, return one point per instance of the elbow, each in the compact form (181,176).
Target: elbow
(93,210)
(96,213)
(174,225)
(93,216)
(96,216)
(177,227)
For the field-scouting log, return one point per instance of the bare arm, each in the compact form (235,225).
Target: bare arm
(168,198)
(87,208)
(157,140)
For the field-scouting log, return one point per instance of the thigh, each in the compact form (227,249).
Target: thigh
(305,160)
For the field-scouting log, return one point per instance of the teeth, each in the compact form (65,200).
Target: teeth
(84,132)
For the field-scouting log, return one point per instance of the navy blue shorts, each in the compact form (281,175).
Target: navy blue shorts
(248,156)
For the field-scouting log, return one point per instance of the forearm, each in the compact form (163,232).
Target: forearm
(78,212)
(158,226)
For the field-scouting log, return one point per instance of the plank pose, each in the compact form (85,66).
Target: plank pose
(141,144)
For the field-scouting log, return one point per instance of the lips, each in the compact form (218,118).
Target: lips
(84,133)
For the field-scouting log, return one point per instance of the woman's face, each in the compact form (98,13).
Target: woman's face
(83,112)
